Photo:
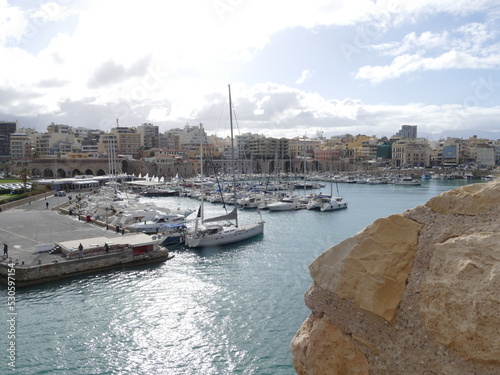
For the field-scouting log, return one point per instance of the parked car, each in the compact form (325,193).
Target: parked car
(60,193)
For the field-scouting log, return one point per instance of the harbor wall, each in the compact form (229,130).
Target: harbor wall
(60,268)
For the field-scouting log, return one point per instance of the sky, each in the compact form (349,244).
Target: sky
(295,68)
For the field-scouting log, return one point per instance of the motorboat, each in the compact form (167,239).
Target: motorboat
(158,224)
(287,203)
(407,181)
(317,201)
(335,203)
(174,233)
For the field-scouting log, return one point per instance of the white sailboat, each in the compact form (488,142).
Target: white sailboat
(210,232)
(332,203)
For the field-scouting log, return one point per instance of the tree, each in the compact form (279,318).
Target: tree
(24,174)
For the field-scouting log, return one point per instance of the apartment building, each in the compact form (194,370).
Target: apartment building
(410,153)
(268,148)
(149,136)
(7,128)
(20,146)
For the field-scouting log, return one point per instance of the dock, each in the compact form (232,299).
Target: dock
(43,245)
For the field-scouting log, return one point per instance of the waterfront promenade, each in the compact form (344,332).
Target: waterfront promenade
(35,226)
(24,227)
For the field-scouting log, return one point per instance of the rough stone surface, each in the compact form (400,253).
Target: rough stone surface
(371,268)
(471,299)
(446,319)
(322,348)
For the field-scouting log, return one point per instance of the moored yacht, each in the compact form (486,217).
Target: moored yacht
(208,232)
(335,203)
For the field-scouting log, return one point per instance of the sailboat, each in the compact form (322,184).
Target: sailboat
(209,232)
(333,203)
(324,202)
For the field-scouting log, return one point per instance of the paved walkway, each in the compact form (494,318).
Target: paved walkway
(24,227)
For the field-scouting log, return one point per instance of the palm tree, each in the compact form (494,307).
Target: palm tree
(24,174)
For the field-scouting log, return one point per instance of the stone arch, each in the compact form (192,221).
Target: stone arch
(35,172)
(100,172)
(76,172)
(301,168)
(61,173)
(125,166)
(47,173)
(287,167)
(89,172)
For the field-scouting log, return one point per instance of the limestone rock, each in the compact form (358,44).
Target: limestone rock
(416,293)
(371,268)
(471,199)
(322,348)
(460,296)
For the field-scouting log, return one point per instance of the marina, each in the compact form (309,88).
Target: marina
(214,310)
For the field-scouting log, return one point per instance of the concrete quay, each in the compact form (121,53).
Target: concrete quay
(35,225)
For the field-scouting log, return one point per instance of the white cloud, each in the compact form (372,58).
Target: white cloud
(12,23)
(470,46)
(49,12)
(154,61)
(303,77)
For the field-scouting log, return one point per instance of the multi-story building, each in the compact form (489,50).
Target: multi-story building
(410,153)
(241,142)
(369,149)
(326,155)
(303,147)
(192,136)
(170,139)
(451,150)
(128,141)
(42,145)
(150,137)
(59,128)
(7,128)
(496,144)
(269,148)
(408,131)
(485,155)
(384,151)
(108,144)
(20,146)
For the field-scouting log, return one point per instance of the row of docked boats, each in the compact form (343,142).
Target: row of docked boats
(288,202)
(399,180)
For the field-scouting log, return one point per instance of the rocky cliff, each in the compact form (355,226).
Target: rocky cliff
(415,293)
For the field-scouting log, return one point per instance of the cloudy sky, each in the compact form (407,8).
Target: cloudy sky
(295,67)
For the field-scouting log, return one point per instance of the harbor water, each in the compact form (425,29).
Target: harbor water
(228,310)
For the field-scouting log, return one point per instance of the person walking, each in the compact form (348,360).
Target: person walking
(80,251)
(47,205)
(5,250)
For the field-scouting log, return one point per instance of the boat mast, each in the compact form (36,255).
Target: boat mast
(202,207)
(232,152)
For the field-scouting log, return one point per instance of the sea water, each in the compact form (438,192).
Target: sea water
(228,310)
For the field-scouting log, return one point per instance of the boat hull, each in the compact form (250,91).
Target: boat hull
(226,236)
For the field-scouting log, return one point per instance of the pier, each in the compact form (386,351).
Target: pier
(32,230)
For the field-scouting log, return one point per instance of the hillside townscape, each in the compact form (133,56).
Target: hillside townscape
(176,151)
